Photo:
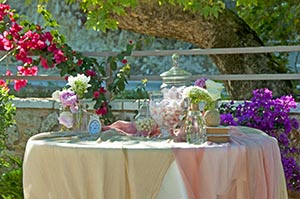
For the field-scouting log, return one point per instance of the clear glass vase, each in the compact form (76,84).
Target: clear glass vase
(194,126)
(80,118)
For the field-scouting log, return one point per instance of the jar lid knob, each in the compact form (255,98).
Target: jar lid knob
(175,58)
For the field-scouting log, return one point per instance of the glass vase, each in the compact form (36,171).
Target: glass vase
(194,125)
(80,118)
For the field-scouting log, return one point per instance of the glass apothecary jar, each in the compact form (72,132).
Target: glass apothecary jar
(145,124)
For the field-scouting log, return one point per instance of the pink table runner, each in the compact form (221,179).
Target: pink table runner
(249,168)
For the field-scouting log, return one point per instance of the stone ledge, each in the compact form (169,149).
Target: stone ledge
(117,105)
(47,103)
(50,103)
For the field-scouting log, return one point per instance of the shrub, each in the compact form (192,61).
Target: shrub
(11,178)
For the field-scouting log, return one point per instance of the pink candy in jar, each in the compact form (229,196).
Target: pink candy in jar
(167,108)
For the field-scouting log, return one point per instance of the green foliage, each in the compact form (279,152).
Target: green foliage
(140,92)
(98,12)
(120,74)
(7,112)
(11,179)
(274,21)
(206,8)
(11,186)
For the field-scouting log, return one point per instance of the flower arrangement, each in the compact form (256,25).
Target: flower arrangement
(271,116)
(197,94)
(205,90)
(70,99)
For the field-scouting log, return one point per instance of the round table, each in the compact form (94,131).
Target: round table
(78,165)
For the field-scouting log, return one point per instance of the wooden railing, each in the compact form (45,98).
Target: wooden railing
(245,50)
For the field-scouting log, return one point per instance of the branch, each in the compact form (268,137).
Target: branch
(6,55)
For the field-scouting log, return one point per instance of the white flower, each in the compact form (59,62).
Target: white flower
(55,95)
(79,78)
(79,84)
(214,89)
(186,91)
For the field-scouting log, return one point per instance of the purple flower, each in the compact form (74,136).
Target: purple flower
(68,98)
(271,116)
(227,119)
(201,82)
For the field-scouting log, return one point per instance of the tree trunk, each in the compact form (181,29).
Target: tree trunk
(227,31)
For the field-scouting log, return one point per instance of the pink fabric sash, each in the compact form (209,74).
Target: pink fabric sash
(248,167)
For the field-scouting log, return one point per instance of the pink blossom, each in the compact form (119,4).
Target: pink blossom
(5,44)
(3,84)
(101,111)
(21,55)
(96,94)
(52,48)
(16,27)
(28,71)
(44,62)
(48,36)
(90,72)
(102,90)
(79,62)
(41,44)
(20,84)
(59,56)
(3,10)
(8,73)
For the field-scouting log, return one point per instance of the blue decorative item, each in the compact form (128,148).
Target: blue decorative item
(94,126)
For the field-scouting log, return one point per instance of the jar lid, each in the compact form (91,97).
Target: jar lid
(175,76)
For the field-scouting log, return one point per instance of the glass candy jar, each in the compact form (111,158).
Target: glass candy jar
(144,123)
(167,112)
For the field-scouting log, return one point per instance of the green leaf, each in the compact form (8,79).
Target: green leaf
(121,85)
(113,65)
